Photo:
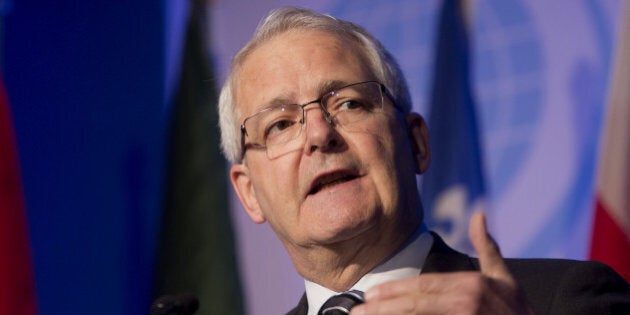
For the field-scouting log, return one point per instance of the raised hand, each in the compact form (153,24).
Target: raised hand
(492,290)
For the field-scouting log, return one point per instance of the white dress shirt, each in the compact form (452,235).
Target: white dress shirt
(406,263)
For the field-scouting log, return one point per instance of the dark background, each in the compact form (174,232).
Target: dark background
(85,81)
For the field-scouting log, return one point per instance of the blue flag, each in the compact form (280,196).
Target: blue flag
(453,187)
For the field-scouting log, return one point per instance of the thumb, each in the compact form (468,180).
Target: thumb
(490,258)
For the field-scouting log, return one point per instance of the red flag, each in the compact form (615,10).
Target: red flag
(611,226)
(17,291)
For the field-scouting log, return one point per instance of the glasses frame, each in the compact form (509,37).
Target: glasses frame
(385,92)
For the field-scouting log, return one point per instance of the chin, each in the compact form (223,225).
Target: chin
(337,232)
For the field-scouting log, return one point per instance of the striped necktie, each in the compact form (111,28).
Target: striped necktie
(342,303)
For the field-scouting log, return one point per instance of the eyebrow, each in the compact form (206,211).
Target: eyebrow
(323,88)
(329,86)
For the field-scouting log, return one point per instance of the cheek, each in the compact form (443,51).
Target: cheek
(385,157)
(379,150)
(275,188)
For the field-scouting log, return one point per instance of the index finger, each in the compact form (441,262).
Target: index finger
(490,258)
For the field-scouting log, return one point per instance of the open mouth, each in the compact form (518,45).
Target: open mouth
(330,180)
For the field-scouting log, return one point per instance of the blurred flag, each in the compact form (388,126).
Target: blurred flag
(453,187)
(611,226)
(17,287)
(196,254)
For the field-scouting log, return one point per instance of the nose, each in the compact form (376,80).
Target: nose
(320,130)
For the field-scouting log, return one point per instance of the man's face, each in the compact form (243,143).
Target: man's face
(339,184)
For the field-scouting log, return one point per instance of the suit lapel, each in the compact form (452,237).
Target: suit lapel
(442,258)
(301,308)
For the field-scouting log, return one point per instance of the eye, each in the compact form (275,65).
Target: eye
(278,127)
(355,105)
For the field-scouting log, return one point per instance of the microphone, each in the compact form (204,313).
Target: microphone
(180,304)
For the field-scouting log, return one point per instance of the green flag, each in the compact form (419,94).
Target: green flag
(196,253)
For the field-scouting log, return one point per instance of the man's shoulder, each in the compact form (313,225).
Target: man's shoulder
(551,265)
(561,271)
(552,286)
(562,286)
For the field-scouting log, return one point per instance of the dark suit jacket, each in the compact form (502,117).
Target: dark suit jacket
(551,286)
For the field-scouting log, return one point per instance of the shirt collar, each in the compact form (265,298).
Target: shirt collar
(404,263)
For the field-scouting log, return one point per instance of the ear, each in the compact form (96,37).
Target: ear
(239,175)
(419,137)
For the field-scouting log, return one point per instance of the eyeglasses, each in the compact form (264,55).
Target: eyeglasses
(275,128)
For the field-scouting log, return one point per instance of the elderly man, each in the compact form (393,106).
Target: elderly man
(316,119)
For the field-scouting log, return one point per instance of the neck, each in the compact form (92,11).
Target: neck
(340,265)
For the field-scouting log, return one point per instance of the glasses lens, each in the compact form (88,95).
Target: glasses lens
(276,127)
(354,103)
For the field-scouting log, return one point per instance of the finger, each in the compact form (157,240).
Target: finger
(405,304)
(490,258)
(436,293)
(431,283)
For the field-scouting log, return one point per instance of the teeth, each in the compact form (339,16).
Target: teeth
(326,184)
(335,182)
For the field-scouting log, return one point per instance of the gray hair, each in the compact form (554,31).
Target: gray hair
(381,63)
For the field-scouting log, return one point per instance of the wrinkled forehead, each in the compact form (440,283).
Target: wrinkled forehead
(293,66)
